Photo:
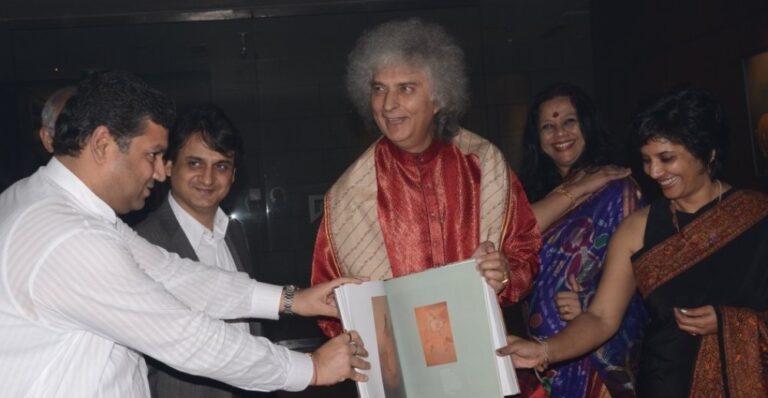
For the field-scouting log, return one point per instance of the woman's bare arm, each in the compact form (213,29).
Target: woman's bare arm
(603,317)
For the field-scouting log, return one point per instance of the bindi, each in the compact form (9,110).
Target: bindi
(555,114)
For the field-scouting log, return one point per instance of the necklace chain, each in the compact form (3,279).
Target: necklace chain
(673,205)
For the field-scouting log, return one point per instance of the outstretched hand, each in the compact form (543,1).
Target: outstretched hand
(338,359)
(318,300)
(588,181)
(493,265)
(525,354)
(697,321)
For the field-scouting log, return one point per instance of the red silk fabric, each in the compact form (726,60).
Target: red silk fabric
(428,208)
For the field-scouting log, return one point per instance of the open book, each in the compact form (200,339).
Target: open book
(430,334)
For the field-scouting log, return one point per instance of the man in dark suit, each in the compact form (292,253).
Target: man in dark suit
(203,151)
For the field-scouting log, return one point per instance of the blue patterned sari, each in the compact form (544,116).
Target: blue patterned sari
(576,245)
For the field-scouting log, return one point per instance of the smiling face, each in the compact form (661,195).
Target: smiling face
(135,170)
(402,106)
(560,133)
(200,178)
(680,175)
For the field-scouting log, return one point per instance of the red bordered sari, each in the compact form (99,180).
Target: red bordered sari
(719,258)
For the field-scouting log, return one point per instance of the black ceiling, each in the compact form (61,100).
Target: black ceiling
(33,12)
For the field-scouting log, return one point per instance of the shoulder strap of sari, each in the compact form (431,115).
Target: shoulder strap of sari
(732,362)
(705,235)
(351,209)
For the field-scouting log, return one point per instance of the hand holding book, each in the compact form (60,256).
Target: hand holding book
(339,358)
(318,300)
(432,334)
(493,265)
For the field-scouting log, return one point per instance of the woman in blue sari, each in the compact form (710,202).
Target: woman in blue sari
(578,201)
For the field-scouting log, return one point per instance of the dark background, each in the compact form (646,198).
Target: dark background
(277,68)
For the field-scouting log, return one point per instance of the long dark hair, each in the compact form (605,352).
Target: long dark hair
(539,174)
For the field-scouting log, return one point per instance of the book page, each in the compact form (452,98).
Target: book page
(443,333)
(364,308)
(507,375)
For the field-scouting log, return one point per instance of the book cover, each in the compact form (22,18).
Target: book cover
(430,334)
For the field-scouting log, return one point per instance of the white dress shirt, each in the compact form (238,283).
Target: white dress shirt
(82,295)
(210,246)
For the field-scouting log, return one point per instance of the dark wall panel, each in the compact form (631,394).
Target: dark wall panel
(642,48)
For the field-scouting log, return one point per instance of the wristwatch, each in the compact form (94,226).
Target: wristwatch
(288,292)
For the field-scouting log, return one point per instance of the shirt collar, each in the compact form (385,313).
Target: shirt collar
(85,197)
(424,157)
(194,230)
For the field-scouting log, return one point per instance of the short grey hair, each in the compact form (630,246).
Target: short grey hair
(53,106)
(415,43)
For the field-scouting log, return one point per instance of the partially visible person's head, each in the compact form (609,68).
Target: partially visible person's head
(691,117)
(408,78)
(119,101)
(112,134)
(762,134)
(561,136)
(51,110)
(203,153)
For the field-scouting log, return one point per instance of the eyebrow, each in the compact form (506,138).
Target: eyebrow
(198,158)
(406,83)
(563,114)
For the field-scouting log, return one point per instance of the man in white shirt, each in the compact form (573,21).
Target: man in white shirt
(204,149)
(82,295)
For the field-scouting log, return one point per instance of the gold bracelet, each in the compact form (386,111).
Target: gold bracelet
(545,362)
(567,194)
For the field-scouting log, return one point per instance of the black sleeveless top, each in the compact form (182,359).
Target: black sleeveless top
(668,354)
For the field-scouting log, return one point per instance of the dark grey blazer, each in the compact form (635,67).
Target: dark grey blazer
(161,228)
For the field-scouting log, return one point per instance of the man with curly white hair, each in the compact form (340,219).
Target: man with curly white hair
(428,192)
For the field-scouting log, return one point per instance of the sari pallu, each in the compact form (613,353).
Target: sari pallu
(719,258)
(576,245)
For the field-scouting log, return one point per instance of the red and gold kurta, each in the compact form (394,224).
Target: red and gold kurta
(393,213)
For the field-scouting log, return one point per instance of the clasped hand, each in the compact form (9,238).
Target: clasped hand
(699,321)
(568,302)
(493,265)
(338,359)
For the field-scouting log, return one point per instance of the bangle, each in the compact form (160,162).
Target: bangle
(567,194)
(545,362)
(288,292)
(314,370)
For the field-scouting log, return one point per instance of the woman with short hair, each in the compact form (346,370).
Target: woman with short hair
(698,257)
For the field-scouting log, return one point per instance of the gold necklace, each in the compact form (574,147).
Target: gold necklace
(673,205)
